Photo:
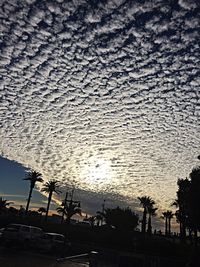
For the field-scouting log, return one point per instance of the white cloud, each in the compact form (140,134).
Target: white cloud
(116,81)
(187,4)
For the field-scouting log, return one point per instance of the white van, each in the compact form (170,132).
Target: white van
(19,233)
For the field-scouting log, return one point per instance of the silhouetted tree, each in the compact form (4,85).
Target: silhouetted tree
(92,220)
(4,205)
(61,210)
(121,218)
(42,210)
(194,201)
(168,215)
(151,212)
(69,210)
(188,203)
(13,211)
(145,202)
(100,217)
(33,177)
(21,210)
(166,222)
(182,203)
(50,187)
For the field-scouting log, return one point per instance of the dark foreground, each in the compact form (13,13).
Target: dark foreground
(15,257)
(116,248)
(19,258)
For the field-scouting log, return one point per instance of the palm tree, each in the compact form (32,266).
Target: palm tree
(145,202)
(181,220)
(61,210)
(121,218)
(64,203)
(50,187)
(182,205)
(152,212)
(69,210)
(4,204)
(168,215)
(193,202)
(166,222)
(33,177)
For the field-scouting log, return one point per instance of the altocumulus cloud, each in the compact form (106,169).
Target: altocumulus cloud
(102,95)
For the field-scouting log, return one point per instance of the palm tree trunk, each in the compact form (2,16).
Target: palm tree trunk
(48,205)
(29,199)
(144,219)
(149,229)
(182,230)
(166,227)
(169,222)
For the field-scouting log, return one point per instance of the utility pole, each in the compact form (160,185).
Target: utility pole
(103,210)
(69,204)
(72,194)
(103,206)
(64,206)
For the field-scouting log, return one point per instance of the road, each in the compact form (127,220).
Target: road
(18,258)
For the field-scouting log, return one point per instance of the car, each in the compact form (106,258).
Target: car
(21,234)
(53,242)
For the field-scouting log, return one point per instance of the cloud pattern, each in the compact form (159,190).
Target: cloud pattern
(102,95)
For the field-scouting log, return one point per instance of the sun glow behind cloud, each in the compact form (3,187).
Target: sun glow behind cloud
(104,97)
(96,171)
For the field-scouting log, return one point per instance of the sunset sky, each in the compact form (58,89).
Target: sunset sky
(103,96)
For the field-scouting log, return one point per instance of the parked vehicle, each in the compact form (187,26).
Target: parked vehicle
(21,234)
(53,242)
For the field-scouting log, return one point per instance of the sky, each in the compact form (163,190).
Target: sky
(14,189)
(103,96)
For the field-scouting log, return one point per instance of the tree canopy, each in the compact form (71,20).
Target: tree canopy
(121,218)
